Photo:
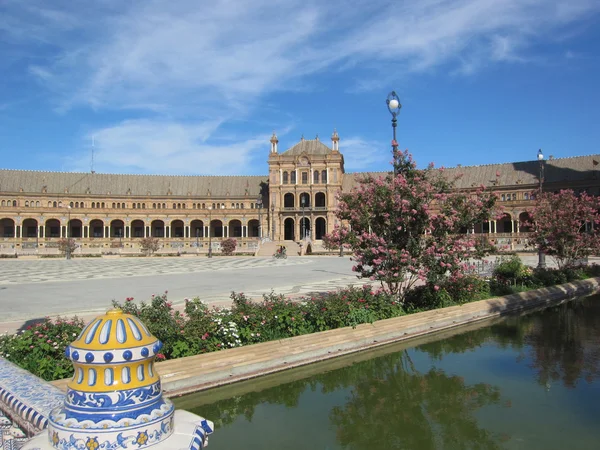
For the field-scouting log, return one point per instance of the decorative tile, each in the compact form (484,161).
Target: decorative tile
(27,395)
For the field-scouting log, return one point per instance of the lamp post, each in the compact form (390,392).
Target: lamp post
(209,231)
(302,202)
(393,104)
(541,254)
(68,250)
(273,220)
(259,204)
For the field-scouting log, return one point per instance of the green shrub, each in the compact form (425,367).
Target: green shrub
(40,348)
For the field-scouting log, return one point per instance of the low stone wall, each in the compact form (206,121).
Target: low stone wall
(26,399)
(195,373)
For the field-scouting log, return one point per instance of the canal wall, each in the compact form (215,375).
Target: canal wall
(195,373)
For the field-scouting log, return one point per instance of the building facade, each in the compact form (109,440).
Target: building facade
(108,213)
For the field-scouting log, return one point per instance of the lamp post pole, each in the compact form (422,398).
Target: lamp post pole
(541,254)
(273,221)
(209,231)
(302,201)
(68,251)
(259,204)
(393,104)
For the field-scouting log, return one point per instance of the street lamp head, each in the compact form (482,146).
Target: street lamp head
(272,206)
(393,103)
(540,155)
(259,201)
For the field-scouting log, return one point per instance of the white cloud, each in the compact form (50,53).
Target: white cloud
(188,62)
(363,155)
(153,146)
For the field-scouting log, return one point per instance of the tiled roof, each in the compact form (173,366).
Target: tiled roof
(136,185)
(308,146)
(558,170)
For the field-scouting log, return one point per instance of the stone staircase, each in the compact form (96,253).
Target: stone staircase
(268,248)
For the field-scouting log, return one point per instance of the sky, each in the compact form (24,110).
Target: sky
(193,87)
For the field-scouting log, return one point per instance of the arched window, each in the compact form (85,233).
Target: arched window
(26,203)
(503,197)
(37,204)
(251,205)
(76,204)
(293,177)
(324,176)
(241,206)
(143,206)
(304,177)
(285,178)
(316,177)
(54,204)
(93,204)
(164,206)
(183,205)
(103,205)
(71,205)
(203,205)
(3,203)
(134,206)
(14,203)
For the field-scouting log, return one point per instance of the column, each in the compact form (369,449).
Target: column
(327,169)
(280,176)
(40,231)
(146,231)
(244,231)
(206,231)
(225,231)
(312,178)
(296,171)
(186,231)
(165,231)
(512,226)
(17,231)
(86,231)
(495,228)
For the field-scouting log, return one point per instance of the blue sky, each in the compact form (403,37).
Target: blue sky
(191,87)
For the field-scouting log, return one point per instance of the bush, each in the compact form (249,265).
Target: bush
(511,268)
(149,245)
(228,246)
(40,348)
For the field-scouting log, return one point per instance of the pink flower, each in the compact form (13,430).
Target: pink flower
(436,288)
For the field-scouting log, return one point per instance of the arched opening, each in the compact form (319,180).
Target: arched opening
(157,228)
(305,228)
(137,228)
(235,229)
(52,228)
(304,200)
(216,228)
(505,224)
(96,228)
(177,229)
(30,228)
(288,200)
(253,230)
(8,228)
(320,200)
(525,223)
(288,229)
(117,229)
(75,228)
(197,229)
(320,228)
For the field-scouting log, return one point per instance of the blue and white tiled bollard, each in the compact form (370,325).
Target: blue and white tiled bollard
(114,400)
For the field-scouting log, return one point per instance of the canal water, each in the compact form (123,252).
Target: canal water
(527,382)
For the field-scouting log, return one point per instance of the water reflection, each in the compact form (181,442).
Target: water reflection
(469,391)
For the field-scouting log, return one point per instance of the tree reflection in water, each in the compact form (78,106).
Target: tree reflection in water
(399,408)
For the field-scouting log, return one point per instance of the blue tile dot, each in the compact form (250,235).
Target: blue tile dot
(108,357)
(89,357)
(127,355)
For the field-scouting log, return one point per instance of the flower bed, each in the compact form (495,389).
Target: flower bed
(200,328)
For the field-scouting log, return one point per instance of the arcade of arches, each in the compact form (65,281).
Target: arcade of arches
(296,200)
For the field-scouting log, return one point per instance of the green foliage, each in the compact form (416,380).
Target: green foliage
(40,348)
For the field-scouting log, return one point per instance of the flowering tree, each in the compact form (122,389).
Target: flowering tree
(149,245)
(566,226)
(412,226)
(228,246)
(339,236)
(67,245)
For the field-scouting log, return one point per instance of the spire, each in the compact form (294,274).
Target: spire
(317,137)
(274,142)
(302,138)
(335,139)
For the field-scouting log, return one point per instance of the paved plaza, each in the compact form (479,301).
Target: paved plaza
(32,289)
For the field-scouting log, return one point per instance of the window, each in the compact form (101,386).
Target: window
(503,197)
(37,204)
(26,203)
(304,177)
(3,203)
(203,205)
(293,177)
(54,204)
(14,203)
(526,195)
(514,197)
(241,206)
(285,178)
(316,177)
(93,204)
(143,206)
(71,204)
(324,176)
(251,205)
(134,206)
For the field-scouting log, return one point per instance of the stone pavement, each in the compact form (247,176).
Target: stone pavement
(33,289)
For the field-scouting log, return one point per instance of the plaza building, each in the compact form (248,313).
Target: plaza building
(295,201)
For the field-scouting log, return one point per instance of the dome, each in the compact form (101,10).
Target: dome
(115,396)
